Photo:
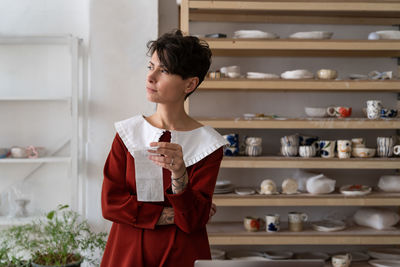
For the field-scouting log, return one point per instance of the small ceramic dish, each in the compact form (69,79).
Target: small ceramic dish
(223,184)
(363,152)
(328,225)
(393,35)
(259,75)
(278,255)
(254,34)
(327,74)
(355,190)
(315,112)
(388,113)
(244,191)
(297,74)
(312,35)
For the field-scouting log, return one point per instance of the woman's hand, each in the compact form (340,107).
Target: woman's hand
(213,210)
(170,156)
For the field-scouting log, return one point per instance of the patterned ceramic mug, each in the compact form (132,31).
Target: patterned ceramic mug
(396,150)
(344,149)
(341,112)
(307,151)
(232,149)
(290,140)
(272,223)
(384,146)
(342,260)
(327,148)
(374,108)
(289,151)
(296,220)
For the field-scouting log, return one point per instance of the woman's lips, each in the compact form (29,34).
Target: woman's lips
(149,90)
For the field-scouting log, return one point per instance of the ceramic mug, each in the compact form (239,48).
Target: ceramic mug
(374,108)
(396,150)
(290,140)
(339,111)
(384,146)
(341,260)
(327,148)
(232,149)
(253,151)
(344,149)
(358,142)
(289,151)
(307,151)
(296,220)
(19,152)
(272,223)
(388,113)
(252,224)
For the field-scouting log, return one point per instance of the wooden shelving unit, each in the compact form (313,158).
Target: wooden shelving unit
(301,123)
(312,12)
(303,199)
(304,48)
(312,163)
(363,12)
(37,160)
(229,84)
(233,233)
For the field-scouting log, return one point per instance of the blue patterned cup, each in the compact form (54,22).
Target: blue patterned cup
(272,223)
(388,113)
(232,149)
(327,148)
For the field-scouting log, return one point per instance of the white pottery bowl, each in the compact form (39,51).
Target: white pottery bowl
(389,34)
(363,152)
(315,112)
(297,74)
(312,35)
(327,74)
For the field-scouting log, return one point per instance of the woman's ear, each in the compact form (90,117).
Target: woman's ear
(191,84)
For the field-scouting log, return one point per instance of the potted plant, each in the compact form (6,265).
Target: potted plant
(60,239)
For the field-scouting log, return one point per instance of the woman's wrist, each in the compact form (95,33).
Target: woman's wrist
(179,183)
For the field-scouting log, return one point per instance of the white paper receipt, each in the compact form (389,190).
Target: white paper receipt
(149,177)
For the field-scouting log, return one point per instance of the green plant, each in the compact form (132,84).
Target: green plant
(59,239)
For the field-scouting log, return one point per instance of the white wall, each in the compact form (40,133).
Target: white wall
(119,31)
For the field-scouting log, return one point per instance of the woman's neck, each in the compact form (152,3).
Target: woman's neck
(171,118)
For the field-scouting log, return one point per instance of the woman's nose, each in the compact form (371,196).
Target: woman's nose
(150,76)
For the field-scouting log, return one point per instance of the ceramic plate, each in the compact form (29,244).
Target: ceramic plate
(244,191)
(312,256)
(224,190)
(384,263)
(355,190)
(217,254)
(385,253)
(222,184)
(244,254)
(328,225)
(278,255)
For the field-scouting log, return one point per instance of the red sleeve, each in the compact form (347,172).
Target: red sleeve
(192,206)
(118,202)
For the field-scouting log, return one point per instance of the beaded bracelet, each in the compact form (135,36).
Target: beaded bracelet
(179,177)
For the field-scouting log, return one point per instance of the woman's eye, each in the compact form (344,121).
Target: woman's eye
(164,71)
(149,67)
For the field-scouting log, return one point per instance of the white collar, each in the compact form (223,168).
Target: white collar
(137,133)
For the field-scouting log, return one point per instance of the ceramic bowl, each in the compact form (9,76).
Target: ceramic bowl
(315,112)
(312,35)
(297,74)
(4,152)
(19,152)
(388,113)
(327,74)
(388,34)
(363,152)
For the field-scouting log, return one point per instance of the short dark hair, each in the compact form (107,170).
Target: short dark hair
(186,56)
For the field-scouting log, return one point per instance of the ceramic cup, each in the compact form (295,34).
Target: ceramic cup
(289,151)
(374,108)
(341,260)
(253,146)
(384,146)
(358,142)
(296,220)
(307,151)
(272,223)
(290,140)
(252,224)
(327,74)
(19,152)
(344,149)
(396,150)
(388,113)
(339,111)
(327,148)
(232,149)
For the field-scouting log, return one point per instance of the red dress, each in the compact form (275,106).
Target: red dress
(135,240)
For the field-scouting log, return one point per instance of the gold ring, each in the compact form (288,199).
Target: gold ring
(172,162)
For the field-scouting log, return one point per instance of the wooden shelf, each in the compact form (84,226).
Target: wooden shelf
(372,12)
(334,199)
(310,163)
(300,85)
(233,233)
(301,123)
(34,99)
(37,160)
(304,48)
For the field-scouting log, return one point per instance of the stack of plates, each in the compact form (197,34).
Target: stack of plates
(384,263)
(223,187)
(312,256)
(217,254)
(254,34)
(355,190)
(278,255)
(385,253)
(244,191)
(329,225)
(260,75)
(245,255)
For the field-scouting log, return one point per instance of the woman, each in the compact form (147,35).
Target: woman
(167,229)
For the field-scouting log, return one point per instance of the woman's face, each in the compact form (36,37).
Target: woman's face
(163,87)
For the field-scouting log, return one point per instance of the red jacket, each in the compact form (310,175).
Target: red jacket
(135,240)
